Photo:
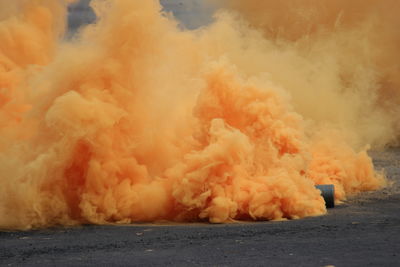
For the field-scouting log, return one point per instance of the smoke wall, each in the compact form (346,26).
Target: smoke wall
(349,59)
(135,119)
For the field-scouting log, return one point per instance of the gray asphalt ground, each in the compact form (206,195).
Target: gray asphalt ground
(363,231)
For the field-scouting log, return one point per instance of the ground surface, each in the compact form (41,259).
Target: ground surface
(364,231)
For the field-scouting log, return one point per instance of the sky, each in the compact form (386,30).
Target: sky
(191,13)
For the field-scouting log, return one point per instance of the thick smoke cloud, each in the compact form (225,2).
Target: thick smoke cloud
(135,119)
(343,53)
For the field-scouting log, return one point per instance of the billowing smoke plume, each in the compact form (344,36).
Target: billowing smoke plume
(136,119)
(344,54)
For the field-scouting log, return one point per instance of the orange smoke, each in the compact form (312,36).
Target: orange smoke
(138,120)
(349,59)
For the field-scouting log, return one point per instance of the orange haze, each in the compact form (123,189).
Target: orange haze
(135,119)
